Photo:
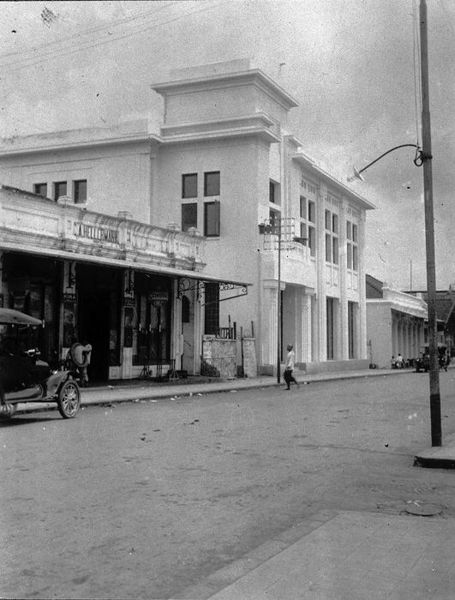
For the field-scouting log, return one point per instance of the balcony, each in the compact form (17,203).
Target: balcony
(297,265)
(70,231)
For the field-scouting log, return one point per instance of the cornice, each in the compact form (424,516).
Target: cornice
(17,150)
(309,164)
(258,124)
(222,80)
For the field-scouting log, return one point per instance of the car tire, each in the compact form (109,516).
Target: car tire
(69,399)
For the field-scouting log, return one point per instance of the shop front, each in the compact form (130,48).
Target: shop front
(106,280)
(109,281)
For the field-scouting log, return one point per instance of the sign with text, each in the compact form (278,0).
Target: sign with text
(96,232)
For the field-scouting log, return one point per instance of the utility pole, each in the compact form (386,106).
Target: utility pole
(278,300)
(435,398)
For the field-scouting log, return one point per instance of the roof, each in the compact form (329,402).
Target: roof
(444,302)
(373,287)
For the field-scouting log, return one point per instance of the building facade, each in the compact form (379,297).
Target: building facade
(396,323)
(180,208)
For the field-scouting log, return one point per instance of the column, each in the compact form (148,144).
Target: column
(127,325)
(3,284)
(269,325)
(176,328)
(306,329)
(320,313)
(343,346)
(68,313)
(198,327)
(362,350)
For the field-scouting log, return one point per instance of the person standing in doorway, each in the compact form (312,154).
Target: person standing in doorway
(289,367)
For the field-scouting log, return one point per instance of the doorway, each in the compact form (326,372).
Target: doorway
(98,317)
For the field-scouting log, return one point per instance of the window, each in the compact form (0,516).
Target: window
(189,185)
(211,219)
(40,189)
(307,223)
(311,211)
(352,246)
(352,311)
(331,237)
(272,192)
(212,309)
(212,183)
(60,188)
(189,216)
(330,328)
(80,191)
(303,207)
(275,220)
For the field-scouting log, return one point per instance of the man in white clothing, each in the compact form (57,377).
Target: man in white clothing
(289,367)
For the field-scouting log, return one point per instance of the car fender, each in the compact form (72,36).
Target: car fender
(55,381)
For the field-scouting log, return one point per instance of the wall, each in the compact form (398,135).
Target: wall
(234,255)
(219,357)
(118,176)
(379,331)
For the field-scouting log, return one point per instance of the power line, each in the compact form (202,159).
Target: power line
(111,25)
(111,40)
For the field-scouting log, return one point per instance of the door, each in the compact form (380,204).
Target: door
(93,327)
(98,317)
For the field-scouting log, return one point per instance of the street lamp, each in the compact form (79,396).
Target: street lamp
(276,228)
(423,158)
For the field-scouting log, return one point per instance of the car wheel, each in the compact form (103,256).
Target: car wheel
(69,399)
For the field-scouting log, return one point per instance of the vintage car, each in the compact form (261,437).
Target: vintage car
(24,377)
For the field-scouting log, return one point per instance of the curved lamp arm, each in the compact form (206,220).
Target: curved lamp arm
(418,159)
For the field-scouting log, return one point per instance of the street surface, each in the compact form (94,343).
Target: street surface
(143,500)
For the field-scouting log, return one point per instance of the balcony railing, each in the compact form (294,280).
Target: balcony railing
(39,223)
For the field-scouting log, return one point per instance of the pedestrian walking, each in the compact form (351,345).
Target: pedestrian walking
(289,367)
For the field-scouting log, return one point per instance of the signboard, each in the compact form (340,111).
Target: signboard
(158,296)
(95,232)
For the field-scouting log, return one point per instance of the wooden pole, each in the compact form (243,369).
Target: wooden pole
(435,399)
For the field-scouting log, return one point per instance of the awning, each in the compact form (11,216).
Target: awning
(123,264)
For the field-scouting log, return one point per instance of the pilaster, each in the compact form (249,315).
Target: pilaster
(321,308)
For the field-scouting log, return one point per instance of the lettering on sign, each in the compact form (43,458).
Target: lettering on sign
(158,296)
(94,232)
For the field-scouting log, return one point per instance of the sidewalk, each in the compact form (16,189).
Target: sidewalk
(148,390)
(344,556)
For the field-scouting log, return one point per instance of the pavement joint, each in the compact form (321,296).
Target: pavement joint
(234,571)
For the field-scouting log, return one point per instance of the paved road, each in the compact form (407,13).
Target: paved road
(144,500)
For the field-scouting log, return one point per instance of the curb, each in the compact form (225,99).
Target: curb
(203,388)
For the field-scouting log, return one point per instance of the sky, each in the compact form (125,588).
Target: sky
(353,66)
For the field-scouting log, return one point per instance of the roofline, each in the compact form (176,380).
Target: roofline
(68,145)
(174,84)
(308,163)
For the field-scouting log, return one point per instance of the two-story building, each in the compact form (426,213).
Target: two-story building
(125,213)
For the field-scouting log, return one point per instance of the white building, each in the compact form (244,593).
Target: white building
(395,323)
(221,164)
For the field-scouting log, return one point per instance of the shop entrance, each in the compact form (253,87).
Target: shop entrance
(98,317)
